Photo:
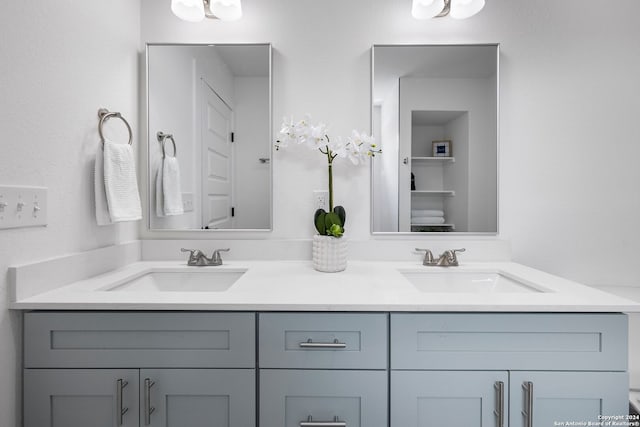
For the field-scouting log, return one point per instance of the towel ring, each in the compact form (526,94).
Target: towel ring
(105,115)
(162,138)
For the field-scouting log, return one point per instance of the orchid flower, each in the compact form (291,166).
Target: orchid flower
(357,148)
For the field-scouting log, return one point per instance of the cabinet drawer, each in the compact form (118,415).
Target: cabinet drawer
(323,341)
(290,398)
(139,339)
(517,341)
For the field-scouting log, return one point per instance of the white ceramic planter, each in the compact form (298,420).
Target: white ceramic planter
(329,253)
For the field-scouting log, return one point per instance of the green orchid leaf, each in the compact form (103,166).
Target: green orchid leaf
(320,222)
(342,214)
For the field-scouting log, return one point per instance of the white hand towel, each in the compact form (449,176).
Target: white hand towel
(171,187)
(159,191)
(102,209)
(426,212)
(427,220)
(120,183)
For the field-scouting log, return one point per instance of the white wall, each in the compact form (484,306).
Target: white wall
(61,61)
(569,109)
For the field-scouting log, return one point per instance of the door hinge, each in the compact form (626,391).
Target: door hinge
(233,137)
(233,211)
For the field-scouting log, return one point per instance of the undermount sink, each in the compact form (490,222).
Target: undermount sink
(193,281)
(466,282)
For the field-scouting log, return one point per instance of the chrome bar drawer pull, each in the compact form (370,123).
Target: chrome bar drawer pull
(120,385)
(148,409)
(528,401)
(310,344)
(499,412)
(334,423)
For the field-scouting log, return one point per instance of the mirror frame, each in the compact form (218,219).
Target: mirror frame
(149,134)
(372,177)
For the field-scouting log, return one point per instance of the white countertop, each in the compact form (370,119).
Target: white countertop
(296,286)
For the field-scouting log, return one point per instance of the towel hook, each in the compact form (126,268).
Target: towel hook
(105,115)
(162,138)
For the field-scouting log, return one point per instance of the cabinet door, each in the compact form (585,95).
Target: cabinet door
(540,399)
(197,397)
(321,398)
(448,398)
(80,397)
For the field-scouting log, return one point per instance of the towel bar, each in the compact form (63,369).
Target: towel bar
(162,137)
(105,115)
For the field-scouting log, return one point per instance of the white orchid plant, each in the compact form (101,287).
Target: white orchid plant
(357,148)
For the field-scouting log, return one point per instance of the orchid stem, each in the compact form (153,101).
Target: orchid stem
(330,160)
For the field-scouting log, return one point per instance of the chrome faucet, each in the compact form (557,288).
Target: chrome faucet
(199,259)
(447,259)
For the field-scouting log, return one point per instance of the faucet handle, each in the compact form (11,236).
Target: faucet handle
(216,259)
(428,256)
(195,256)
(453,257)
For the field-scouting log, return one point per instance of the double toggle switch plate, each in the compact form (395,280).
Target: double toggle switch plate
(22,206)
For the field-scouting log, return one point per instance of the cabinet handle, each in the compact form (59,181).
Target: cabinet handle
(310,344)
(148,409)
(499,412)
(528,399)
(334,423)
(120,384)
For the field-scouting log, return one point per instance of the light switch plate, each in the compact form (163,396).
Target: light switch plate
(321,199)
(187,202)
(22,206)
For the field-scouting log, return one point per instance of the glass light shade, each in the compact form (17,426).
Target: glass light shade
(226,10)
(188,10)
(461,9)
(426,9)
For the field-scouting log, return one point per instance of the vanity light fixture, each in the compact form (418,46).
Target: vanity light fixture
(197,10)
(457,9)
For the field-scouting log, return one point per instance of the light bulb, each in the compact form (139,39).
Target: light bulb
(425,9)
(461,9)
(188,10)
(226,10)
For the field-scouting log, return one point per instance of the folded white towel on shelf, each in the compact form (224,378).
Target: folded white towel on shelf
(427,220)
(120,183)
(102,209)
(171,192)
(426,212)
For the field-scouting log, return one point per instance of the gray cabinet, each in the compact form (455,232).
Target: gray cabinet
(185,369)
(308,398)
(169,369)
(449,398)
(323,340)
(132,397)
(81,397)
(197,397)
(520,370)
(540,399)
(502,398)
(323,369)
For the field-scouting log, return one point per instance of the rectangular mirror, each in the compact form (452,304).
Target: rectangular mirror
(435,116)
(209,136)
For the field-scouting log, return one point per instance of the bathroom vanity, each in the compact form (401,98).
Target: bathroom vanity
(278,344)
